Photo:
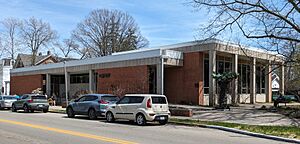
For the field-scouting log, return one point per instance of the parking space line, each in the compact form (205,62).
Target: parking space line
(68,132)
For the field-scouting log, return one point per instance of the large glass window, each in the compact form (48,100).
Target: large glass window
(206,76)
(79,78)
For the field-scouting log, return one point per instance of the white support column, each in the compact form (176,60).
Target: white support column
(48,85)
(281,79)
(268,82)
(160,77)
(234,95)
(91,81)
(212,81)
(253,81)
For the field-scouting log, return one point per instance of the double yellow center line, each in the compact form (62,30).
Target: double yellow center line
(68,132)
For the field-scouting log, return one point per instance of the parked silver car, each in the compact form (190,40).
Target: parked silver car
(30,103)
(93,105)
(6,101)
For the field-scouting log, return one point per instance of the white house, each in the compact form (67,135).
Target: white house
(5,66)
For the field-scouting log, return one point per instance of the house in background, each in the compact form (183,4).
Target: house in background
(25,60)
(5,66)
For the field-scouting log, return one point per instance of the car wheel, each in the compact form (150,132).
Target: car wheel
(45,110)
(1,107)
(70,112)
(25,107)
(92,114)
(13,108)
(32,111)
(140,120)
(110,117)
(163,122)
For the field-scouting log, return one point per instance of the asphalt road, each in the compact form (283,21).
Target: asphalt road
(50,128)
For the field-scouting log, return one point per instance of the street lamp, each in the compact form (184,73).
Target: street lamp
(66,82)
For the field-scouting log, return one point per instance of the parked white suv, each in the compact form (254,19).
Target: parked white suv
(140,108)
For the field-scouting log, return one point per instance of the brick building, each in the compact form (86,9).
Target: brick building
(182,72)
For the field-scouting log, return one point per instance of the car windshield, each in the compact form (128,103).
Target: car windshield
(9,98)
(110,98)
(38,97)
(159,100)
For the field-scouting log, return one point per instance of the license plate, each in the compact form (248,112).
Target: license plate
(162,118)
(40,105)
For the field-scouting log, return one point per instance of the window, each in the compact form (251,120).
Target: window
(38,97)
(82,99)
(9,98)
(206,76)
(79,78)
(124,100)
(24,96)
(0,97)
(7,62)
(90,98)
(159,100)
(110,98)
(136,99)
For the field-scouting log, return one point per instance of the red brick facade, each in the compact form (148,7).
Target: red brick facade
(25,84)
(123,80)
(185,84)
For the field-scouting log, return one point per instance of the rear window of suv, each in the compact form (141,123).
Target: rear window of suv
(110,98)
(10,98)
(38,97)
(159,100)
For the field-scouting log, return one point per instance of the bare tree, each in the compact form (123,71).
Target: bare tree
(67,47)
(104,32)
(274,23)
(36,34)
(11,36)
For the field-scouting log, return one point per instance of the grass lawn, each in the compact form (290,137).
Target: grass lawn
(282,131)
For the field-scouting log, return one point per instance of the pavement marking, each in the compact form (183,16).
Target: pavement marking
(74,133)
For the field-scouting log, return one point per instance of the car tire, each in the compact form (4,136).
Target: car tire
(70,112)
(163,122)
(110,117)
(45,110)
(1,107)
(25,108)
(32,111)
(140,120)
(92,114)
(13,108)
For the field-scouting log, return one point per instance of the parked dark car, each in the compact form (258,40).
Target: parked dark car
(6,101)
(93,105)
(30,103)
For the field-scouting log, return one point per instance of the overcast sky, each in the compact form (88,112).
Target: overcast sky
(162,22)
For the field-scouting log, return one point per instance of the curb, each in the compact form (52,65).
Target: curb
(57,111)
(277,138)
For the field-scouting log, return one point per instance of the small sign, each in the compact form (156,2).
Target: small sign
(104,75)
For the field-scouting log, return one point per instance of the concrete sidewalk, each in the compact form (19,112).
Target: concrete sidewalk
(244,114)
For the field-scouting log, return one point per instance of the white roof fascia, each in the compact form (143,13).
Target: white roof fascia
(99,60)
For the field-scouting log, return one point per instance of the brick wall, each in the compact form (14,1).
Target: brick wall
(123,80)
(185,84)
(25,84)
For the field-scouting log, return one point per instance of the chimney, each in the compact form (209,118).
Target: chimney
(48,53)
(40,54)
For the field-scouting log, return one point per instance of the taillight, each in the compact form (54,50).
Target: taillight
(103,102)
(30,101)
(149,105)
